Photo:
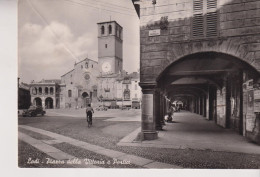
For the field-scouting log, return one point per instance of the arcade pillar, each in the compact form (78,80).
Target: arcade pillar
(157,109)
(149,108)
(162,108)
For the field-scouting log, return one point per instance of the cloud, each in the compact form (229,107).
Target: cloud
(50,51)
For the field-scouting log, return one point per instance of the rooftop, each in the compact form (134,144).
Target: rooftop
(47,81)
(109,22)
(122,76)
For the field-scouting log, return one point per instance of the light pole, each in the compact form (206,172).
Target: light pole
(101,98)
(122,95)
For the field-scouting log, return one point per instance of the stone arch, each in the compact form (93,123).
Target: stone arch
(84,95)
(85,98)
(37,101)
(232,46)
(49,103)
(164,68)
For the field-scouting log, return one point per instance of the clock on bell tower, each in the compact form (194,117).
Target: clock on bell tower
(110,47)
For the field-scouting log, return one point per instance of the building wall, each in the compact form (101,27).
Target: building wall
(119,48)
(107,83)
(79,80)
(169,32)
(136,93)
(236,34)
(116,85)
(119,87)
(111,61)
(110,46)
(106,46)
(24,98)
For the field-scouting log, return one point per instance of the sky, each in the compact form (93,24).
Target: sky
(54,34)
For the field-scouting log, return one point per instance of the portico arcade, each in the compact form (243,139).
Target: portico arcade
(205,53)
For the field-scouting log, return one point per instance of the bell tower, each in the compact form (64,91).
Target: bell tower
(110,47)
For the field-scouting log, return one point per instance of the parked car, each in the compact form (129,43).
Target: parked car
(136,105)
(101,108)
(33,111)
(125,108)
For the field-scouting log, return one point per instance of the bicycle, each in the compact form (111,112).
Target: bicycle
(89,122)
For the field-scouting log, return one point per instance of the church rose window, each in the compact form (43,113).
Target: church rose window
(87,77)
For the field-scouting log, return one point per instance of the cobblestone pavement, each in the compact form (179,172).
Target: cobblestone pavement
(106,134)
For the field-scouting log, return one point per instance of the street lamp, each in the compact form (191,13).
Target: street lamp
(101,98)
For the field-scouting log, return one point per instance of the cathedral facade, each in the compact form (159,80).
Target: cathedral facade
(79,86)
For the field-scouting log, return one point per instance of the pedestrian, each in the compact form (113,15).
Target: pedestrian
(173,109)
(170,113)
(177,108)
(89,112)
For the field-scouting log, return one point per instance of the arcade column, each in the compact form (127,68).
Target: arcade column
(33,103)
(157,109)
(162,108)
(148,129)
(54,102)
(43,102)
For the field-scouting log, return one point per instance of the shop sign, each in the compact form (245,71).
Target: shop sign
(256,94)
(248,85)
(257,106)
(256,100)
(250,100)
(156,32)
(250,122)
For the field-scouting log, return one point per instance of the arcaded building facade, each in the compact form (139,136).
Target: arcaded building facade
(205,53)
(45,93)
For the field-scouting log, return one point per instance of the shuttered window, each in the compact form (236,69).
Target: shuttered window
(205,18)
(211,4)
(198,5)
(198,27)
(211,24)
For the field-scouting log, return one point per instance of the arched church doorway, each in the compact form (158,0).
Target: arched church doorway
(85,99)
